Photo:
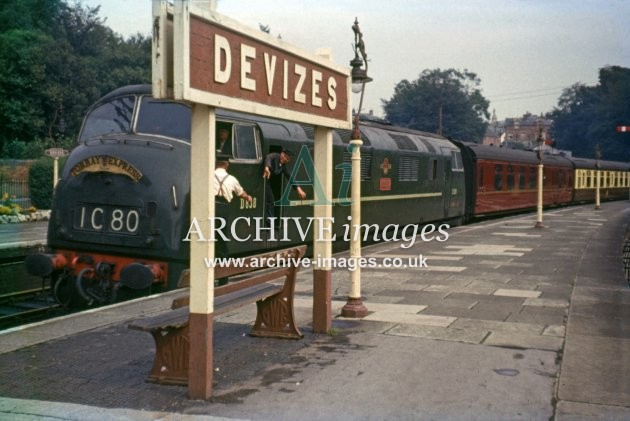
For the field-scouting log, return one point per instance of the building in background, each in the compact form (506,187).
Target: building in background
(521,133)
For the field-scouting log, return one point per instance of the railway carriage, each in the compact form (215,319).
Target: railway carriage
(505,180)
(614,180)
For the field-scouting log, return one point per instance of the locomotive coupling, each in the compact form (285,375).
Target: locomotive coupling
(44,264)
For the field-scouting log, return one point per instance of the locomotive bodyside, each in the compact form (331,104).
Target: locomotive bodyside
(121,212)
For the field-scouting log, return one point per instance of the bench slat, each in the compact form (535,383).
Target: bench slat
(230,301)
(233,300)
(171,319)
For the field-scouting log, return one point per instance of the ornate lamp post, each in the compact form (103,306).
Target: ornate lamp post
(598,156)
(354,306)
(540,141)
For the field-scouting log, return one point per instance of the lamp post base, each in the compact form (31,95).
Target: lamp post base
(597,207)
(539,225)
(354,308)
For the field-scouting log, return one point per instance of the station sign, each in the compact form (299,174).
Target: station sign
(219,62)
(56,152)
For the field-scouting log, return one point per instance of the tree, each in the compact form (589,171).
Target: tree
(586,116)
(441,100)
(56,60)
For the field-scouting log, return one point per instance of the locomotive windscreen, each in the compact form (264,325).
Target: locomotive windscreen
(164,118)
(112,117)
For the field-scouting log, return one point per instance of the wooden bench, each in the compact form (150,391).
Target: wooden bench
(274,317)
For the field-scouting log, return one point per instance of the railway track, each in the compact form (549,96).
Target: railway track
(25,307)
(23,298)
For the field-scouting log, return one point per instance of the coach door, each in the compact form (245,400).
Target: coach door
(453,190)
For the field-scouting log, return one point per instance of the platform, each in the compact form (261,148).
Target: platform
(505,322)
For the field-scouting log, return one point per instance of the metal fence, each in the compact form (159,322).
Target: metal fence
(17,190)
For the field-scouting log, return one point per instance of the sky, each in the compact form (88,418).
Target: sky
(525,52)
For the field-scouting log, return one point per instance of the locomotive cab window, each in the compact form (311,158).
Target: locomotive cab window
(246,143)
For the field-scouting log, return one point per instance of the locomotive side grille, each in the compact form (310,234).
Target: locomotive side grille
(408,168)
(404,142)
(366,163)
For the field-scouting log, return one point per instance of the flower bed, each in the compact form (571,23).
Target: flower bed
(38,215)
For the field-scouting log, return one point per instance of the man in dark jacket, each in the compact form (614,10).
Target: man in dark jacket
(275,168)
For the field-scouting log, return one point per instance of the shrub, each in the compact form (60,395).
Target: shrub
(40,182)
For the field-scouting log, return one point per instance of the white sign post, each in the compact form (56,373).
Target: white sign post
(56,153)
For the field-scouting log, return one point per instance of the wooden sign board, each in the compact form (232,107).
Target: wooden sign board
(219,62)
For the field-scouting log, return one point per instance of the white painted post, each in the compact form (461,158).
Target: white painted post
(322,250)
(201,278)
(539,208)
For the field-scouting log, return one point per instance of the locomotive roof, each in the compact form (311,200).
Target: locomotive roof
(375,134)
(386,136)
(515,155)
(271,128)
(127,90)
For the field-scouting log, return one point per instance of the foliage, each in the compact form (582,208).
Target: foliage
(40,181)
(56,60)
(455,93)
(8,205)
(586,116)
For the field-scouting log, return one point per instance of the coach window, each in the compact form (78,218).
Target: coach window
(521,178)
(246,142)
(510,177)
(611,181)
(498,177)
(481,183)
(532,177)
(578,179)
